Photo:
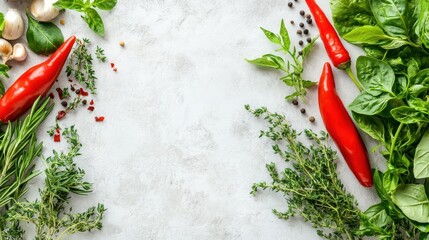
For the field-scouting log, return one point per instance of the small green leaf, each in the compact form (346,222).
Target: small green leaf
(368,104)
(43,37)
(375,75)
(268,60)
(372,125)
(271,36)
(285,36)
(408,115)
(104,4)
(308,83)
(413,201)
(94,21)
(371,35)
(377,215)
(3,70)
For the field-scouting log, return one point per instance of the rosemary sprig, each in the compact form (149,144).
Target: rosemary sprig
(48,214)
(18,149)
(311,186)
(80,65)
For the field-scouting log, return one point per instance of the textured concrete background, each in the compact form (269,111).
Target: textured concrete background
(177,154)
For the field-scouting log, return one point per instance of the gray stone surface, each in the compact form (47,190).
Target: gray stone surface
(177,153)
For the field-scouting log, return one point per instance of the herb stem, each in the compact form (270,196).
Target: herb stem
(353,78)
(392,145)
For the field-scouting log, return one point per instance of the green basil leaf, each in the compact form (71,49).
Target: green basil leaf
(413,201)
(390,181)
(285,36)
(308,83)
(422,24)
(350,14)
(422,77)
(371,125)
(94,21)
(377,215)
(43,37)
(386,201)
(278,60)
(3,71)
(368,34)
(375,75)
(419,105)
(77,5)
(104,4)
(408,115)
(368,104)
(394,44)
(271,36)
(265,61)
(391,15)
(421,158)
(374,51)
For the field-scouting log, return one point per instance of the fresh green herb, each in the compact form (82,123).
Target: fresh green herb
(3,70)
(293,69)
(393,108)
(18,149)
(99,53)
(90,15)
(74,103)
(52,130)
(80,65)
(43,37)
(311,186)
(48,213)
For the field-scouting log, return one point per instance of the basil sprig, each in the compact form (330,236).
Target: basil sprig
(90,14)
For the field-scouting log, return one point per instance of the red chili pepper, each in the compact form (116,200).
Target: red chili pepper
(342,129)
(334,47)
(33,83)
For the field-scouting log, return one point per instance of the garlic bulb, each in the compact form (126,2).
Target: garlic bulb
(19,52)
(13,25)
(5,50)
(43,10)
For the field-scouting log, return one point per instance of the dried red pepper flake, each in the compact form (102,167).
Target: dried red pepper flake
(57,138)
(51,96)
(70,80)
(61,115)
(112,65)
(91,108)
(83,93)
(115,69)
(99,119)
(60,93)
(57,130)
(92,102)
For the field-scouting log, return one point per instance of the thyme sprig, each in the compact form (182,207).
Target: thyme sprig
(311,185)
(49,214)
(81,66)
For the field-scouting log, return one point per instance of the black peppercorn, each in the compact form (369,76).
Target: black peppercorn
(290,4)
(309,21)
(309,40)
(302,110)
(84,102)
(301,24)
(302,13)
(292,22)
(77,91)
(311,119)
(308,16)
(299,32)
(64,103)
(300,52)
(305,31)
(295,102)
(300,42)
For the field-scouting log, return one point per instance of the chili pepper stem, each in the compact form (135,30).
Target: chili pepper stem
(354,79)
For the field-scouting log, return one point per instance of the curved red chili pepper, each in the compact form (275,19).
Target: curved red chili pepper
(342,129)
(334,47)
(35,82)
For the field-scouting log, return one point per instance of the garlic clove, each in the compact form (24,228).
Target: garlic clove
(13,25)
(43,10)
(5,50)
(19,52)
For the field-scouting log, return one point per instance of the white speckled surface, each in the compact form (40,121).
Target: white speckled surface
(177,154)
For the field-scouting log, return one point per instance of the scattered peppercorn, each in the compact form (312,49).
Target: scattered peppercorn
(302,110)
(300,42)
(64,103)
(311,119)
(309,21)
(77,91)
(308,16)
(292,22)
(296,0)
(290,4)
(295,102)
(300,52)
(299,32)
(62,21)
(301,24)
(302,13)
(84,102)
(305,31)
(309,40)
(122,43)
